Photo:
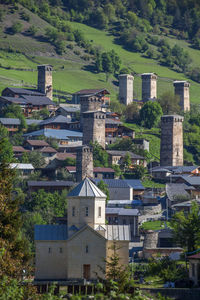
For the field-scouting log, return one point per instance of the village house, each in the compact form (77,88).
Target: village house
(68,111)
(103,94)
(18,151)
(75,250)
(122,216)
(24,170)
(166,172)
(59,122)
(63,136)
(28,104)
(49,186)
(142,144)
(11,124)
(99,172)
(116,157)
(33,145)
(123,189)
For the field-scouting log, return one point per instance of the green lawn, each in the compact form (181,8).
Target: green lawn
(154,225)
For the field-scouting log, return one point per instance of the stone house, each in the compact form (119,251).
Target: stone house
(103,94)
(99,172)
(116,157)
(68,111)
(75,250)
(142,144)
(59,122)
(49,186)
(35,144)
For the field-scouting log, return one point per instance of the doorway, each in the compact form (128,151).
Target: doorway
(86,271)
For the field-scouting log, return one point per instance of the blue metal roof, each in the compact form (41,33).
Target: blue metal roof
(50,233)
(60,134)
(122,183)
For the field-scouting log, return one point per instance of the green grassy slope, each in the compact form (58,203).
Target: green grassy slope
(71,73)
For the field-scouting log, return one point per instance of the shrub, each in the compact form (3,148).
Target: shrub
(16,28)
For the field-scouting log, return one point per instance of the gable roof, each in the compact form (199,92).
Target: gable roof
(38,100)
(41,143)
(86,189)
(65,155)
(91,91)
(122,211)
(24,91)
(17,100)
(176,189)
(10,121)
(56,119)
(50,232)
(123,154)
(122,183)
(117,232)
(19,149)
(175,169)
(70,109)
(19,166)
(45,183)
(60,134)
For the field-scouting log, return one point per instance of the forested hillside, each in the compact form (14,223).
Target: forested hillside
(77,37)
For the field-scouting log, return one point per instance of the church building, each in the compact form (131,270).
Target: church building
(78,250)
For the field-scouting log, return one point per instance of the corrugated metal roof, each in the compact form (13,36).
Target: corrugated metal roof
(117,232)
(60,134)
(69,109)
(10,121)
(50,233)
(56,119)
(32,121)
(38,100)
(18,100)
(51,183)
(25,91)
(21,166)
(122,183)
(86,189)
(122,211)
(37,143)
(123,154)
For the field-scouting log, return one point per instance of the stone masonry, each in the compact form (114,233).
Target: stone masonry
(149,86)
(89,103)
(171,150)
(126,88)
(94,127)
(45,80)
(84,163)
(181,89)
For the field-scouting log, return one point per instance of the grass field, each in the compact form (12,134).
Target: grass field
(154,225)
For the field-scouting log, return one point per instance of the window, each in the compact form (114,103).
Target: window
(86,249)
(99,211)
(73,211)
(86,211)
(61,250)
(50,250)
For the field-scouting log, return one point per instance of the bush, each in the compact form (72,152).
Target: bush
(32,30)
(16,28)
(25,16)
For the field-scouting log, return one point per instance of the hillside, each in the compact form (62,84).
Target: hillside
(71,70)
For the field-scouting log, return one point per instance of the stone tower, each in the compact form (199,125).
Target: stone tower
(126,88)
(149,86)
(171,150)
(89,103)
(84,163)
(94,127)
(181,88)
(45,80)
